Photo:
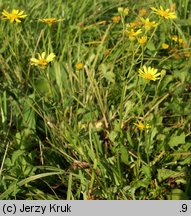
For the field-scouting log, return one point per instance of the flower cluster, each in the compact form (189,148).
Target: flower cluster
(17,16)
(140,28)
(174,44)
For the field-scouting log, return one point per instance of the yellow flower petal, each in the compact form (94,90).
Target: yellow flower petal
(142,126)
(50,57)
(34,61)
(43,55)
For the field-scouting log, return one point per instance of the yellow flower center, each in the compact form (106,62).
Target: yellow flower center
(79,66)
(43,62)
(148,76)
(142,40)
(13,16)
(163,13)
(141,126)
(132,34)
(149,24)
(50,21)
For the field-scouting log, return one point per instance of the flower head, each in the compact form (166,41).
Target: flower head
(79,66)
(50,21)
(132,33)
(123,11)
(142,126)
(116,19)
(42,62)
(135,24)
(142,12)
(142,40)
(15,15)
(149,73)
(180,41)
(165,46)
(164,13)
(175,38)
(148,24)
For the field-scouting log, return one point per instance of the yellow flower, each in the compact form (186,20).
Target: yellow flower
(181,41)
(120,10)
(15,15)
(149,73)
(142,40)
(126,11)
(42,62)
(132,33)
(142,126)
(79,66)
(142,12)
(165,46)
(123,11)
(164,13)
(116,19)
(175,38)
(135,24)
(50,21)
(147,23)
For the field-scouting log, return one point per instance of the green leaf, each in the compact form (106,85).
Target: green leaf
(58,76)
(124,155)
(29,120)
(185,22)
(165,82)
(15,185)
(146,170)
(177,140)
(17,154)
(151,46)
(177,194)
(107,73)
(42,86)
(183,75)
(164,174)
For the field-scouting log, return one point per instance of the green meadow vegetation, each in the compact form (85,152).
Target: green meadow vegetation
(95,102)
